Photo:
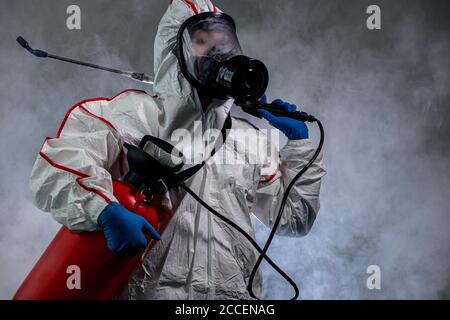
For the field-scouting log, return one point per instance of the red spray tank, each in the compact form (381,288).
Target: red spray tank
(102,273)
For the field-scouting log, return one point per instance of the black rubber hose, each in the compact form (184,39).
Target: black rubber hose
(263,252)
(245,234)
(280,213)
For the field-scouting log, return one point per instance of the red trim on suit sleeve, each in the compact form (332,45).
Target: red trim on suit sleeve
(82,175)
(97,117)
(63,123)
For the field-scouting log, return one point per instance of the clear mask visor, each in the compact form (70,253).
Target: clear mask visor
(206,44)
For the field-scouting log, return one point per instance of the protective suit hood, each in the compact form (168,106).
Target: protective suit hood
(178,101)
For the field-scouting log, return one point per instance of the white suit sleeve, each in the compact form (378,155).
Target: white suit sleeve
(303,201)
(70,177)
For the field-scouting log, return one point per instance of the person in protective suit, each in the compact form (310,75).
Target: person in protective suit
(199,256)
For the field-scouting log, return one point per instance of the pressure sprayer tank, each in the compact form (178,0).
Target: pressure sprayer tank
(102,274)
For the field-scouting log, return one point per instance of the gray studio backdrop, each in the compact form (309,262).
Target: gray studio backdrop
(383,97)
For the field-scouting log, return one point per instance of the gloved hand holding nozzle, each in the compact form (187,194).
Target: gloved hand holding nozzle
(293,129)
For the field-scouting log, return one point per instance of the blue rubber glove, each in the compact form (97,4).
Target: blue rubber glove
(124,230)
(293,129)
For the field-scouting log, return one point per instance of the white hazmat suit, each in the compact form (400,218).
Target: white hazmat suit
(200,256)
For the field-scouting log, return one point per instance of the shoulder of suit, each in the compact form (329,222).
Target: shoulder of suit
(123,101)
(133,94)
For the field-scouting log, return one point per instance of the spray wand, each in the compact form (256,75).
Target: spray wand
(138,76)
